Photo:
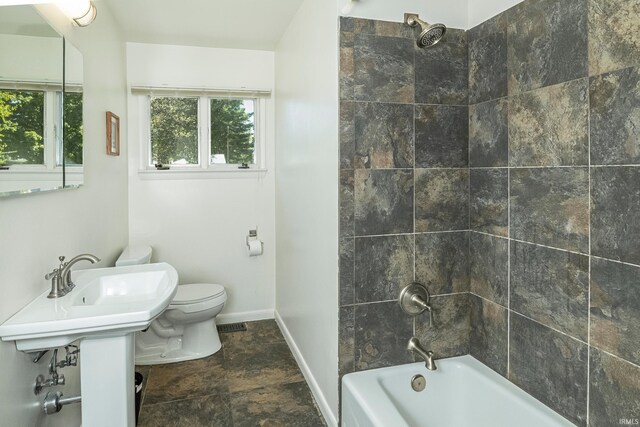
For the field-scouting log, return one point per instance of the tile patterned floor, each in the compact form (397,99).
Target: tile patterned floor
(253,381)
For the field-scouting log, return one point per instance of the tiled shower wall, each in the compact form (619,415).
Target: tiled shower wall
(523,221)
(554,143)
(404,192)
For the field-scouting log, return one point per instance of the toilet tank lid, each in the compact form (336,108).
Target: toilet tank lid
(196,292)
(134,255)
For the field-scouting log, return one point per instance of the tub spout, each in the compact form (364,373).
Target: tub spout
(429,360)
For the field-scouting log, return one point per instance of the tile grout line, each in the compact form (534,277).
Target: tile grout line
(589,248)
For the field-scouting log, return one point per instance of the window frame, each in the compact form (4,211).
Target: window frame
(204,132)
(52,129)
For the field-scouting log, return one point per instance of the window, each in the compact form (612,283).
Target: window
(202,131)
(30,128)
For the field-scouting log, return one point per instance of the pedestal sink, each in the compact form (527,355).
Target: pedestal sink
(104,311)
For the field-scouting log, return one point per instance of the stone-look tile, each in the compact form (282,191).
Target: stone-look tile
(448,336)
(442,262)
(489,334)
(550,206)
(492,25)
(547,43)
(258,333)
(347,23)
(615,298)
(184,380)
(383,135)
(614,391)
(488,134)
(489,267)
(442,71)
(347,65)
(488,67)
(550,366)
(615,213)
(383,68)
(615,117)
(284,405)
(614,40)
(383,202)
(208,411)
(442,136)
(394,29)
(382,332)
(489,201)
(346,337)
(347,203)
(383,266)
(261,365)
(550,126)
(347,134)
(442,200)
(551,287)
(347,274)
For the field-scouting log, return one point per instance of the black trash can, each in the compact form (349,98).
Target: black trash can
(138,384)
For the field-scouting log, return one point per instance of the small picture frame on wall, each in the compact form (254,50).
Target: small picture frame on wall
(113,134)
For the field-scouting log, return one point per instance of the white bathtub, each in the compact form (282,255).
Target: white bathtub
(462,393)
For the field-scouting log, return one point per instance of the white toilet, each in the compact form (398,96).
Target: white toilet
(187,328)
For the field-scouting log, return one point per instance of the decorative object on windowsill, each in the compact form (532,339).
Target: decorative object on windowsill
(161,167)
(113,134)
(243,166)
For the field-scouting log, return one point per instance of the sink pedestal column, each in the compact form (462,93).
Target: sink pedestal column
(107,381)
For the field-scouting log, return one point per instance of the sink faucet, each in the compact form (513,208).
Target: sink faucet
(65,271)
(429,360)
(60,277)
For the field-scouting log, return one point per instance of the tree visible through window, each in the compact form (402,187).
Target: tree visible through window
(174,130)
(73,128)
(232,131)
(21,127)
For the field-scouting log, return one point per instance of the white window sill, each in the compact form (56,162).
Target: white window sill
(151,174)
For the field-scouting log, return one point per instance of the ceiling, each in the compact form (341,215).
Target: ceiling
(236,24)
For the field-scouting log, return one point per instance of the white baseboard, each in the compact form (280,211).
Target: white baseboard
(244,316)
(327,413)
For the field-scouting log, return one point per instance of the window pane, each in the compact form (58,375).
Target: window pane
(21,127)
(73,128)
(174,130)
(233,131)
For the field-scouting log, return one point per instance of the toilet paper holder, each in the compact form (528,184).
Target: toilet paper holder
(252,239)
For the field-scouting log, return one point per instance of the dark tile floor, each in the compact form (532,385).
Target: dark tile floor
(253,381)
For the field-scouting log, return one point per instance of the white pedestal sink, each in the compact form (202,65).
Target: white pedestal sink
(104,311)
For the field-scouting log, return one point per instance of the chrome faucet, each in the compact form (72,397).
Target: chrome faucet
(60,277)
(429,360)
(65,273)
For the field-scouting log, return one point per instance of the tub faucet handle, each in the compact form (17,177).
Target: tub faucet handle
(414,299)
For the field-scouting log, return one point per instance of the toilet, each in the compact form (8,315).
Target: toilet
(187,328)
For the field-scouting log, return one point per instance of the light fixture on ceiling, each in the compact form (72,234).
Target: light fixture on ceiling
(82,12)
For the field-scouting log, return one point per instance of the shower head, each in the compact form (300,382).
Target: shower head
(431,33)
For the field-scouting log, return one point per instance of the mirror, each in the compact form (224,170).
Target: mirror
(40,105)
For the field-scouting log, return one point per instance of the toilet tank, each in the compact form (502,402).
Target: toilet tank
(134,255)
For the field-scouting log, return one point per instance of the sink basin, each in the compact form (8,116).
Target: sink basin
(105,301)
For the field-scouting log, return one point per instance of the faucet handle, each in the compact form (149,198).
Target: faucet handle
(52,274)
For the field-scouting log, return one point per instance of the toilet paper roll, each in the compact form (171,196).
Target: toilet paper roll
(255,247)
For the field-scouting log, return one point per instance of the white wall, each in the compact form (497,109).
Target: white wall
(452,13)
(199,224)
(307,196)
(481,10)
(463,14)
(35,229)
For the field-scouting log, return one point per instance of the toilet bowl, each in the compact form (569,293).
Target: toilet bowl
(187,328)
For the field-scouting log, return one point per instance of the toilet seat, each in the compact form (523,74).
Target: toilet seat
(196,292)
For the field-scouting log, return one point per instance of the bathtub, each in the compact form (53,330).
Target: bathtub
(462,393)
